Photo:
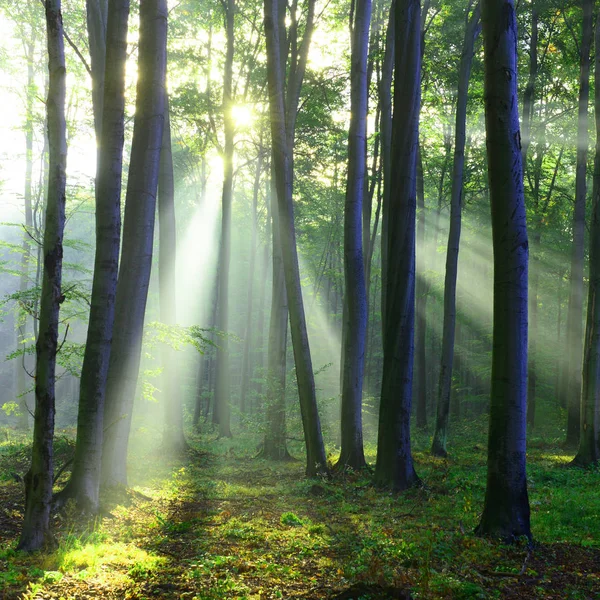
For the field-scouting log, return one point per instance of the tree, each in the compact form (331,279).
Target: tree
(440,436)
(39,478)
(506,507)
(394,466)
(138,232)
(173,436)
(574,317)
(589,440)
(84,483)
(355,322)
(221,409)
(283,107)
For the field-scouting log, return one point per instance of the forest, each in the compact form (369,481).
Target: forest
(298,299)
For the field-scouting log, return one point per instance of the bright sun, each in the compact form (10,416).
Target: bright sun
(243,115)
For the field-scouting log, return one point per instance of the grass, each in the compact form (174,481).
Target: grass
(222,524)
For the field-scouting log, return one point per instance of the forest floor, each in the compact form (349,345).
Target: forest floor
(221,523)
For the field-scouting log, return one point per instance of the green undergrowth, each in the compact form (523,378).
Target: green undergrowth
(220,523)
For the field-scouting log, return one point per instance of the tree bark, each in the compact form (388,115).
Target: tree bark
(222,388)
(574,316)
(251,277)
(355,299)
(138,233)
(85,477)
(39,478)
(275,443)
(440,436)
(173,436)
(589,441)
(506,508)
(282,135)
(394,466)
(25,325)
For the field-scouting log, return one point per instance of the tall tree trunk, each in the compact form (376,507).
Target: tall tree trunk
(506,507)
(282,135)
(527,119)
(355,300)
(85,477)
(251,277)
(440,436)
(385,95)
(422,291)
(589,441)
(275,444)
(138,234)
(574,316)
(222,388)
(38,481)
(25,325)
(173,436)
(394,456)
(97,23)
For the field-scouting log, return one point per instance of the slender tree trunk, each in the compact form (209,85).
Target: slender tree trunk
(251,277)
(574,316)
(275,444)
(97,19)
(222,387)
(385,94)
(355,306)
(282,135)
(173,436)
(506,507)
(39,478)
(138,233)
(85,477)
(394,456)
(25,326)
(527,119)
(589,441)
(440,436)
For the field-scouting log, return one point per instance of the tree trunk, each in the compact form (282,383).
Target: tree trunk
(173,436)
(222,388)
(394,457)
(385,95)
(251,277)
(506,508)
(138,233)
(589,441)
(282,135)
(440,436)
(85,477)
(25,325)
(355,299)
(39,478)
(574,316)
(275,445)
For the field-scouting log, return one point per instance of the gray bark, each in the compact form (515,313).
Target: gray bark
(85,477)
(394,466)
(506,508)
(221,408)
(574,316)
(173,436)
(355,300)
(275,444)
(251,277)
(440,436)
(138,233)
(283,119)
(589,441)
(39,477)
